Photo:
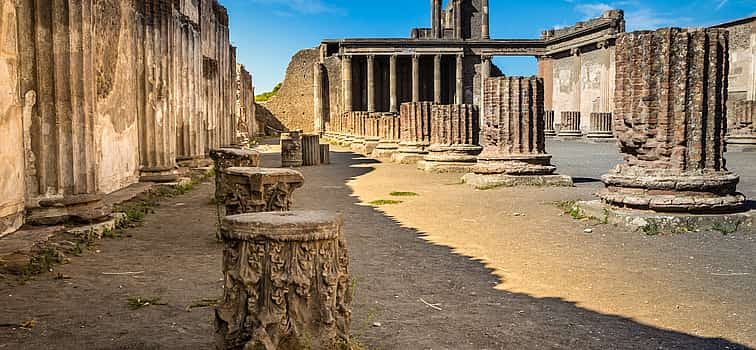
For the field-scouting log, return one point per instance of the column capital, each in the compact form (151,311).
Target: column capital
(575,51)
(370,57)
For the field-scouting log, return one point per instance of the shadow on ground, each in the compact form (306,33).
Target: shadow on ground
(395,268)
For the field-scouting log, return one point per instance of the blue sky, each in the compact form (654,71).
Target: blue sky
(269,32)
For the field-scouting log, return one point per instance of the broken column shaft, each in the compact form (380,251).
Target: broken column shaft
(454,139)
(670,123)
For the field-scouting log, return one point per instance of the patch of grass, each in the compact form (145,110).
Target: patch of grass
(184,188)
(726,228)
(605,219)
(682,229)
(136,303)
(42,261)
(350,343)
(573,210)
(651,229)
(403,194)
(384,202)
(203,304)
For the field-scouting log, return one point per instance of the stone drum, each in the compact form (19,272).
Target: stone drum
(251,190)
(286,284)
(291,149)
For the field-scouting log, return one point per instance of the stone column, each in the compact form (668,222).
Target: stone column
(514,143)
(358,140)
(286,282)
(458,32)
(437,79)
(484,21)
(291,149)
(671,130)
(438,29)
(346,73)
(310,150)
(485,73)
(415,78)
(570,125)
(548,117)
(742,126)
(57,65)
(371,83)
(459,94)
(393,81)
(319,97)
(388,131)
(601,126)
(157,124)
(454,139)
(251,189)
(415,132)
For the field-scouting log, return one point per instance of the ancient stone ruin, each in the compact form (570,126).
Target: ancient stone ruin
(287,283)
(250,190)
(454,139)
(102,94)
(389,130)
(291,149)
(670,123)
(415,121)
(514,146)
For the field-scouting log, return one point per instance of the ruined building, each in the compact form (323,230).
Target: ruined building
(104,93)
(447,64)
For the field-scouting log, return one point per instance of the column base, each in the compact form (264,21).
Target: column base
(80,208)
(570,133)
(385,149)
(358,145)
(194,162)
(450,159)
(488,181)
(370,145)
(749,140)
(550,133)
(600,135)
(159,175)
(514,164)
(690,193)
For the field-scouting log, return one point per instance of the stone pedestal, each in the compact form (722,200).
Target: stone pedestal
(570,125)
(672,131)
(601,126)
(291,149)
(741,127)
(454,139)
(224,158)
(310,150)
(415,132)
(514,147)
(389,132)
(549,129)
(287,283)
(250,190)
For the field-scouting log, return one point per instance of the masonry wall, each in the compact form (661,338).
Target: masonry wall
(11,125)
(742,78)
(293,104)
(582,82)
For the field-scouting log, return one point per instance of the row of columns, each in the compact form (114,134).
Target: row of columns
(393,80)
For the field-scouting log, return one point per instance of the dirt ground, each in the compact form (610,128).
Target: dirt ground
(501,281)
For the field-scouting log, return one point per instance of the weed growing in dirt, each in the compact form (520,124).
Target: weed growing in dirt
(384,202)
(570,208)
(136,303)
(42,261)
(25,325)
(403,194)
(203,304)
(726,228)
(651,229)
(184,188)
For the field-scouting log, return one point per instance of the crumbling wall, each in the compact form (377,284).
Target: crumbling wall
(116,23)
(293,104)
(11,125)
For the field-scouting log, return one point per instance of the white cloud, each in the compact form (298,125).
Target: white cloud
(593,10)
(720,4)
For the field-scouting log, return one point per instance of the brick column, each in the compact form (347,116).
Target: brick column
(671,131)
(454,139)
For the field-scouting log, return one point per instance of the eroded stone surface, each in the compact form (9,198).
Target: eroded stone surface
(250,190)
(670,123)
(286,282)
(454,131)
(291,149)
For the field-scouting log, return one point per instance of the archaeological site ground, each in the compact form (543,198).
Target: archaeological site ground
(390,193)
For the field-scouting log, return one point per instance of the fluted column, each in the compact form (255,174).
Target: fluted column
(459,97)
(437,79)
(157,125)
(319,98)
(394,100)
(485,73)
(415,78)
(371,83)
(57,65)
(484,21)
(671,131)
(458,32)
(438,29)
(346,73)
